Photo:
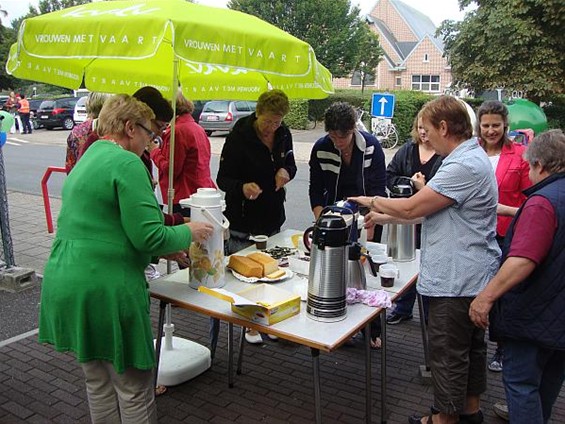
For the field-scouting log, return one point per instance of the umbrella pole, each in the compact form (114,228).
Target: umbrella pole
(180,359)
(171,190)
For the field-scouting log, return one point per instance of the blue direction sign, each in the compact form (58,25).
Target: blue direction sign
(382,105)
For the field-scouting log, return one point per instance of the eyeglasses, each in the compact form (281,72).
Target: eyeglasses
(273,124)
(340,134)
(152,136)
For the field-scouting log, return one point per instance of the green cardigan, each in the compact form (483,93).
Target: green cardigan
(94,297)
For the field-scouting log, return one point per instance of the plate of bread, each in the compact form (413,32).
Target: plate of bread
(257,267)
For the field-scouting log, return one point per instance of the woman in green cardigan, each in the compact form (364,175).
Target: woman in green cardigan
(94,298)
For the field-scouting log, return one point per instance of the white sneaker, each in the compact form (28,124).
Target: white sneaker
(253,338)
(272,337)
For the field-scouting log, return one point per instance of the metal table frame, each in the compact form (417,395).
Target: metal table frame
(174,289)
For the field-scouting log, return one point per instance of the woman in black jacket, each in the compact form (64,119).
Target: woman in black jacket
(256,163)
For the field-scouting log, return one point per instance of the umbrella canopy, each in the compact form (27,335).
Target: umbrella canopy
(121,46)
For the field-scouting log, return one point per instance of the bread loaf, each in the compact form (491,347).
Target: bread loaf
(245,266)
(268,264)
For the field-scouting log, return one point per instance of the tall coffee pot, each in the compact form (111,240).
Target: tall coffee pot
(401,239)
(327,274)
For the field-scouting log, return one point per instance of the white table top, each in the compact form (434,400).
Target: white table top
(300,328)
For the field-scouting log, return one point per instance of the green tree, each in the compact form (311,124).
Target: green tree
(369,57)
(515,44)
(332,27)
(47,6)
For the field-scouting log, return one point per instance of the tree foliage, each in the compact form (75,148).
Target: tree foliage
(515,44)
(47,6)
(333,28)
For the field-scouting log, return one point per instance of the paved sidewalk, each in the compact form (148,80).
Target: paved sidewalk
(39,385)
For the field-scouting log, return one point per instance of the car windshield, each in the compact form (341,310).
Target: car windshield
(215,107)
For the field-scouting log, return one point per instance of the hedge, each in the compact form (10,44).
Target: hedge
(408,103)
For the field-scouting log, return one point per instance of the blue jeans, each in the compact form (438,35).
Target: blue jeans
(532,379)
(405,303)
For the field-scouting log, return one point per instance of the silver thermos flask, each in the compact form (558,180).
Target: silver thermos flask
(327,274)
(401,238)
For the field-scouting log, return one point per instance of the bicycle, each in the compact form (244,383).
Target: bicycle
(385,131)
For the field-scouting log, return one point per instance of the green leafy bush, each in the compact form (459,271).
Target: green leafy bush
(555,112)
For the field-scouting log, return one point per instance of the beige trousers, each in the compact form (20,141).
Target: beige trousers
(113,398)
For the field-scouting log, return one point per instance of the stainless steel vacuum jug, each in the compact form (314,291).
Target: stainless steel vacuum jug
(401,238)
(327,274)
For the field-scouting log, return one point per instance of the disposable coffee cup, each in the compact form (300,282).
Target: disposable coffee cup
(379,259)
(388,273)
(260,242)
(376,248)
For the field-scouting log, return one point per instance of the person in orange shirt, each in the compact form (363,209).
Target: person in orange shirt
(23,111)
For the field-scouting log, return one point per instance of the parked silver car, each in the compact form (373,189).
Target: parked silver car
(221,115)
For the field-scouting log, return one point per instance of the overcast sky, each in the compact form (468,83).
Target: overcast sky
(437,10)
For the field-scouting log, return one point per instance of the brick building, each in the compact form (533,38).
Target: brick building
(412,54)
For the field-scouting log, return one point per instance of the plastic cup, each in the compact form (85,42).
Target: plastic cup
(379,259)
(388,273)
(260,242)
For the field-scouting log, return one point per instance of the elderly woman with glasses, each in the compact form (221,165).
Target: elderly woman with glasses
(94,298)
(256,163)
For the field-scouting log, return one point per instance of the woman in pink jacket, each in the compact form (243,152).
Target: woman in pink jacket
(192,156)
(511,171)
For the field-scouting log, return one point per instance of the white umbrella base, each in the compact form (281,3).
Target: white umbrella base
(184,361)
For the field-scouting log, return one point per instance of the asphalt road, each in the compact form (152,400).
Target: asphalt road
(26,158)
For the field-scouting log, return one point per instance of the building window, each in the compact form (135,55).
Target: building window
(426,57)
(356,79)
(428,83)
(398,81)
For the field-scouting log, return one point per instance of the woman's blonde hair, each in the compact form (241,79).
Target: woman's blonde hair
(273,101)
(415,133)
(94,103)
(119,109)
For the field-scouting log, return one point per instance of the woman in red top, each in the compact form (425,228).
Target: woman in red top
(510,168)
(511,171)
(192,156)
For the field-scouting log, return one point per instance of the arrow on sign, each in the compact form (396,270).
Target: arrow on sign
(383,103)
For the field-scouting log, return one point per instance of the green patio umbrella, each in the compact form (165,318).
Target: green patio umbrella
(120,46)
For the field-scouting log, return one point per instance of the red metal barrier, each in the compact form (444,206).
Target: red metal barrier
(46,202)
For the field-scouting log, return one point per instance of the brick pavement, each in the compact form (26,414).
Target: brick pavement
(39,385)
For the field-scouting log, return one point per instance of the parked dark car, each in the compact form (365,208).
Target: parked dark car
(221,115)
(57,113)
